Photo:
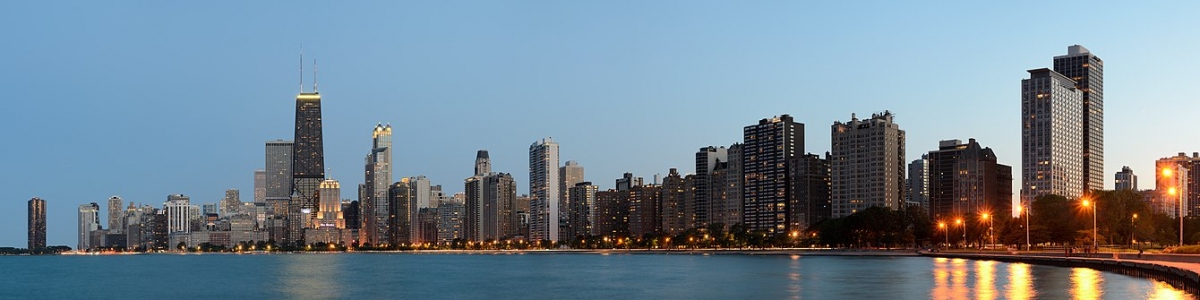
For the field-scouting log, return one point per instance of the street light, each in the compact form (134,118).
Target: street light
(1132,230)
(945,232)
(964,227)
(1087,203)
(1166,172)
(991,238)
(1020,210)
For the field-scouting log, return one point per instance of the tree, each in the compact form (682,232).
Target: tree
(1053,212)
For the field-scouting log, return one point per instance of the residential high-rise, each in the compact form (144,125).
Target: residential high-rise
(612,214)
(811,199)
(179,211)
(1087,72)
(1125,180)
(581,216)
(628,181)
(116,215)
(473,208)
(308,165)
(645,205)
(1180,174)
(1051,136)
(725,187)
(450,221)
(499,195)
(330,213)
(483,164)
(37,224)
(918,182)
(428,219)
(422,190)
(543,190)
(403,213)
(89,222)
(768,146)
(867,164)
(697,213)
(675,194)
(569,175)
(260,186)
(965,181)
(373,199)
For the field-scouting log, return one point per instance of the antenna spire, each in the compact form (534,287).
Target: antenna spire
(314,75)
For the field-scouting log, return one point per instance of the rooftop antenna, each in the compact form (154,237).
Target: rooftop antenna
(314,75)
(301,68)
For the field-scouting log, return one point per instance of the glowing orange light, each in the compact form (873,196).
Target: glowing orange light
(1086,203)
(959,221)
(1171,191)
(1166,172)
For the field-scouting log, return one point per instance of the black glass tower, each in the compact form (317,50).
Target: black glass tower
(308,165)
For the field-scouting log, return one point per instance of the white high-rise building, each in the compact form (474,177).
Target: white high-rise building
(329,213)
(867,164)
(89,221)
(543,190)
(918,182)
(422,190)
(1051,136)
(179,211)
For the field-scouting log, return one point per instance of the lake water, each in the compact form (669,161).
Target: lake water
(555,276)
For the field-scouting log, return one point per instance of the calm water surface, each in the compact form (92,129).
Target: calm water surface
(556,276)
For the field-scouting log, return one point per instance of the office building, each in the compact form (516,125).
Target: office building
(403,212)
(231,204)
(116,215)
(1126,180)
(543,190)
(308,164)
(1087,72)
(179,212)
(329,215)
(965,181)
(374,199)
(279,174)
(89,222)
(1051,136)
(768,147)
(37,224)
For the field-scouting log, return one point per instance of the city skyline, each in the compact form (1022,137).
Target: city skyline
(678,65)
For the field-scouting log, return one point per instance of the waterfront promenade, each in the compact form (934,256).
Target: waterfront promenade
(1179,270)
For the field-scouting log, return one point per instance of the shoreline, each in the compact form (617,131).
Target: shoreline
(785,251)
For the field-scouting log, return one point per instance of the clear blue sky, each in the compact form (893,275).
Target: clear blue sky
(146,99)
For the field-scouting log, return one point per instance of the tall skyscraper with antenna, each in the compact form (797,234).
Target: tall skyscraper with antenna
(308,161)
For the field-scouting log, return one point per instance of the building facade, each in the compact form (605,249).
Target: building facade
(675,196)
(1086,70)
(581,218)
(966,180)
(1051,136)
(867,164)
(768,147)
(116,215)
(308,165)
(1176,181)
(570,174)
(89,222)
(37,224)
(918,182)
(1126,180)
(374,199)
(543,190)
(811,200)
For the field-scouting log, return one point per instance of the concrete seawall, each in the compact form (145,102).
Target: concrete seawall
(1184,276)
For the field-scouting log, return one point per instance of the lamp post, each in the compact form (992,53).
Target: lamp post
(1088,203)
(1133,230)
(964,227)
(991,238)
(1172,191)
(1023,210)
(945,232)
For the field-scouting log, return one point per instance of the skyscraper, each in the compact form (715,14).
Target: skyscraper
(769,146)
(330,212)
(867,164)
(966,180)
(1126,180)
(179,211)
(570,174)
(1087,71)
(232,203)
(89,221)
(278,187)
(308,164)
(543,190)
(116,215)
(1051,136)
(374,198)
(402,213)
(37,224)
(483,164)
(725,187)
(260,186)
(645,205)
(675,194)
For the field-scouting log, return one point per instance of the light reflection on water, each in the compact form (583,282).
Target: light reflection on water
(1085,284)
(1020,282)
(312,276)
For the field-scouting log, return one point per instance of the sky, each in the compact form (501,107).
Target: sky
(149,98)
